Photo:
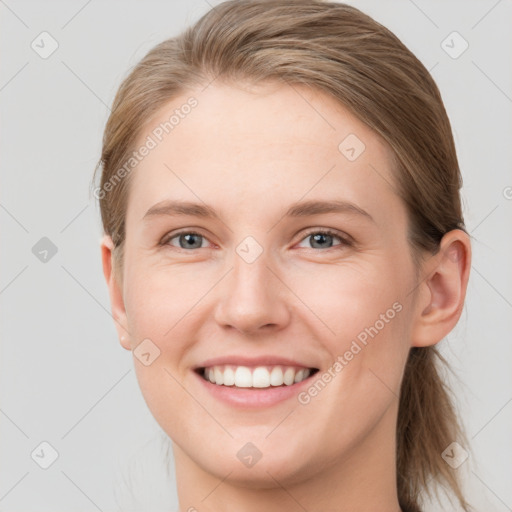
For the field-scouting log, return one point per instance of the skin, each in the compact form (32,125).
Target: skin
(250,152)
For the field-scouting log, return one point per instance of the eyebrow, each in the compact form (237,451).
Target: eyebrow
(300,209)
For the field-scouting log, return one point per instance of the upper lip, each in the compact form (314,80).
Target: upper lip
(265,360)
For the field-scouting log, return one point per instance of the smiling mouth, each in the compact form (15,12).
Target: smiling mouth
(259,377)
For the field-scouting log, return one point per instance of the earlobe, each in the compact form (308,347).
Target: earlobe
(115,292)
(443,289)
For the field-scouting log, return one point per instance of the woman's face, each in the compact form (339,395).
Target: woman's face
(257,284)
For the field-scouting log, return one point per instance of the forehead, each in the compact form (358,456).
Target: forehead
(244,143)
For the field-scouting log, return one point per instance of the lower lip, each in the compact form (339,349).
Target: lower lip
(254,397)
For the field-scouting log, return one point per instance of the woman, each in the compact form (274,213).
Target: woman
(284,247)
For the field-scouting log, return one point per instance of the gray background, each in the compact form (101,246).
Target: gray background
(64,377)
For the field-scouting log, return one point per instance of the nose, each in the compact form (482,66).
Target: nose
(253,297)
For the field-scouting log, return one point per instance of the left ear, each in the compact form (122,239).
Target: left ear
(442,291)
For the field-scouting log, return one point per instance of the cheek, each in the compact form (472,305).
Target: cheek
(340,303)
(159,300)
(339,306)
(160,307)
(352,300)
(360,314)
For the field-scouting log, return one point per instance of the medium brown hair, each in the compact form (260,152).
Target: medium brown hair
(336,49)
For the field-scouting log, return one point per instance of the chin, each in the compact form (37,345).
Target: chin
(257,469)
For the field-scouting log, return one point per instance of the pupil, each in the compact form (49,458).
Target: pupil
(188,238)
(320,237)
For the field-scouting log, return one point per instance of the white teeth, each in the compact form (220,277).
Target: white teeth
(259,377)
(276,376)
(243,377)
(289,376)
(229,376)
(219,376)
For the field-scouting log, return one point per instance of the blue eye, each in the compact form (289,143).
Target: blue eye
(322,238)
(187,240)
(319,238)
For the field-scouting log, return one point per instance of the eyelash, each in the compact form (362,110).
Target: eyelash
(345,240)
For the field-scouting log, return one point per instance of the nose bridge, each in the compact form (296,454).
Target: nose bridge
(251,296)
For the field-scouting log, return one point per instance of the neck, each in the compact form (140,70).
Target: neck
(362,480)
